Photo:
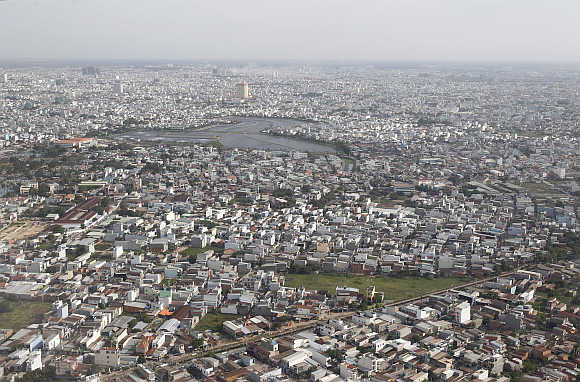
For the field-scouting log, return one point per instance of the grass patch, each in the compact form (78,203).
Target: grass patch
(103,247)
(22,314)
(347,163)
(387,202)
(541,189)
(393,287)
(213,321)
(194,251)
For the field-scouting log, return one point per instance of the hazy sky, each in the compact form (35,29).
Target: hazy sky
(390,30)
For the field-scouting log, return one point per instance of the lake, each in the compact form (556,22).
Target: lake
(244,133)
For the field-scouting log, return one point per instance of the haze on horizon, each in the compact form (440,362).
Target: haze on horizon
(351,30)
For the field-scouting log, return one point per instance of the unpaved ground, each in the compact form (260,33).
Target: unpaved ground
(22,230)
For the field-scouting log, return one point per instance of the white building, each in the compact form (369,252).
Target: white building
(379,344)
(34,361)
(61,309)
(349,372)
(51,341)
(107,357)
(132,294)
(242,90)
(463,312)
(368,364)
(206,366)
(117,252)
(118,86)
(294,359)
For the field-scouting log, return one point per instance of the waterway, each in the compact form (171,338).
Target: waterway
(244,133)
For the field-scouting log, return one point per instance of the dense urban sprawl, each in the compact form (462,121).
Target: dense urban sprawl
(273,223)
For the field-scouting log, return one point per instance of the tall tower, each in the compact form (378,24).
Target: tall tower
(242,90)
(118,86)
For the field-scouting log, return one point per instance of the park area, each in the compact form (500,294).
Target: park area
(395,288)
(19,314)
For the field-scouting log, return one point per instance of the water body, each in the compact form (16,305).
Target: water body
(244,133)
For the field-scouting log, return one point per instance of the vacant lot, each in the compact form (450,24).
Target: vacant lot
(22,313)
(213,321)
(394,288)
(21,231)
(542,190)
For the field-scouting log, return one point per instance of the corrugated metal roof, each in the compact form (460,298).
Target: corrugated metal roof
(170,325)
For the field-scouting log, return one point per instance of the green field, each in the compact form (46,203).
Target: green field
(346,163)
(22,314)
(394,288)
(213,321)
(103,247)
(193,252)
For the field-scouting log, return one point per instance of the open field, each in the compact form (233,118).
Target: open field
(22,230)
(388,203)
(213,321)
(542,190)
(394,288)
(22,314)
(194,251)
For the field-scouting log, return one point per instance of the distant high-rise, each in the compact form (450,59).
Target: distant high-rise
(118,86)
(242,90)
(90,71)
(5,78)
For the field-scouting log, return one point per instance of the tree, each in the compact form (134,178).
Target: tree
(530,365)
(48,374)
(5,307)
(492,295)
(58,229)
(197,343)
(336,354)
(43,189)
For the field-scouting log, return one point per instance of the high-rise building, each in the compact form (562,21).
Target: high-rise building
(118,86)
(242,90)
(5,78)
